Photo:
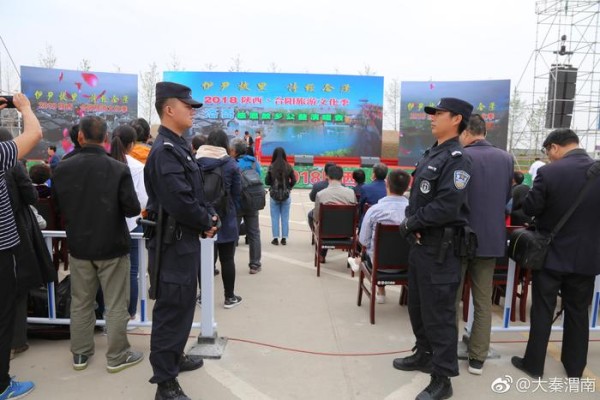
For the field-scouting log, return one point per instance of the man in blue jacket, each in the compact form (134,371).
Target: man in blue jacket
(372,192)
(489,191)
(573,259)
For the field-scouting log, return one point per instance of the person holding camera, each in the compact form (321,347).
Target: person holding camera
(175,200)
(10,153)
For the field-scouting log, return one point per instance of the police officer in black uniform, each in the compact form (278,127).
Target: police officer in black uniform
(174,187)
(435,226)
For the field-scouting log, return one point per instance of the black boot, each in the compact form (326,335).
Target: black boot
(439,388)
(419,361)
(170,390)
(190,363)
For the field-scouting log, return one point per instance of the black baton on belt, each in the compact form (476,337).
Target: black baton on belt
(154,270)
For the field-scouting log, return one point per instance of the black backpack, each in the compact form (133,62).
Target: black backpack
(214,190)
(279,190)
(253,190)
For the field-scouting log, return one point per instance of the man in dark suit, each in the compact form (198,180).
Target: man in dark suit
(573,259)
(489,190)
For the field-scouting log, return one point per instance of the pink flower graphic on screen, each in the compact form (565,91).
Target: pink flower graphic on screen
(90,79)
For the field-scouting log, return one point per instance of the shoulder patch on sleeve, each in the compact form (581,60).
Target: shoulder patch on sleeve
(456,153)
(461,178)
(168,144)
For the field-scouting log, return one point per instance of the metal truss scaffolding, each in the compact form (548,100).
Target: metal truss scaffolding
(565,90)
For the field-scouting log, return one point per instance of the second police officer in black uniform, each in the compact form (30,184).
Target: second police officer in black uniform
(435,222)
(174,185)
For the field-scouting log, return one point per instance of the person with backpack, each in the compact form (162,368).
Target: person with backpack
(252,200)
(222,187)
(281,179)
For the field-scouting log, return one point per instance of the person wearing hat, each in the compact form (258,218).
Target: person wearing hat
(174,186)
(436,213)
(573,259)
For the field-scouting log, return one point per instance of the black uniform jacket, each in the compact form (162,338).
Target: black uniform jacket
(438,195)
(173,181)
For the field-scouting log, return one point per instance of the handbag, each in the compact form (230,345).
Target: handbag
(529,247)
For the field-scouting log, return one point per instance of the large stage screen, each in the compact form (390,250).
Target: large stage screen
(328,115)
(60,98)
(490,99)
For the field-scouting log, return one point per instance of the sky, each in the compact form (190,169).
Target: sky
(406,40)
(426,40)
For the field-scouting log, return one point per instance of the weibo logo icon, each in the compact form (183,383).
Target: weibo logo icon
(502,384)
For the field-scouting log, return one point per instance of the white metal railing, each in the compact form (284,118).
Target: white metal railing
(207,324)
(510,288)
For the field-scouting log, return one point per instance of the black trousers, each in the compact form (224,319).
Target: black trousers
(173,311)
(432,290)
(225,253)
(8,295)
(576,291)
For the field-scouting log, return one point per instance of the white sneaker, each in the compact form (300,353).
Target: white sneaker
(353,264)
(380,298)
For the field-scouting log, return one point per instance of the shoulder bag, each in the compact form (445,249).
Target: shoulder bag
(529,247)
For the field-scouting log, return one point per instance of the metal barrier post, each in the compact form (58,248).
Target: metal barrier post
(50,294)
(142,271)
(209,345)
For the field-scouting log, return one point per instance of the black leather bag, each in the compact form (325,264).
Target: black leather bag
(529,247)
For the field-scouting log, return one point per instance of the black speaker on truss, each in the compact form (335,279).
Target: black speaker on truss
(561,96)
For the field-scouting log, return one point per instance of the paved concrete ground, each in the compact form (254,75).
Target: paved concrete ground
(287,306)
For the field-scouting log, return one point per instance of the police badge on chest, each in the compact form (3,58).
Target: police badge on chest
(425,186)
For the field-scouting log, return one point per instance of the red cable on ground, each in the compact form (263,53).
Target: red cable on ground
(329,354)
(319,353)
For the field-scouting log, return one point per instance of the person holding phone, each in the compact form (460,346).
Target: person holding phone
(10,152)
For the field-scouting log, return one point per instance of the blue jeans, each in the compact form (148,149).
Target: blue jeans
(133,273)
(280,211)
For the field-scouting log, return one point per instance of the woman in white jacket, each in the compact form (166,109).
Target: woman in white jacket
(123,141)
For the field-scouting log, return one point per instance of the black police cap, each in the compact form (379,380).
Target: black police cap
(172,90)
(457,106)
